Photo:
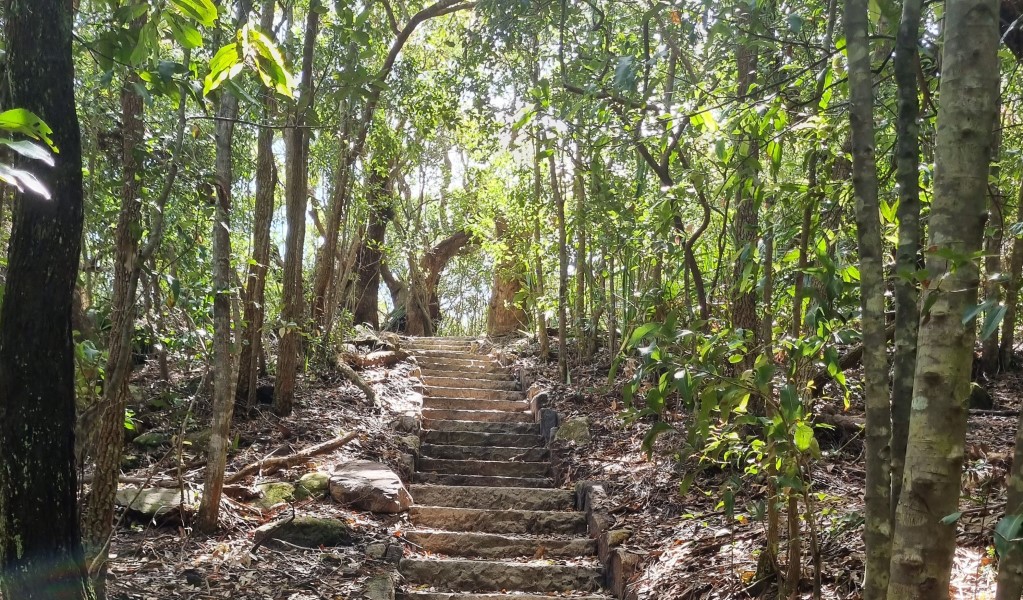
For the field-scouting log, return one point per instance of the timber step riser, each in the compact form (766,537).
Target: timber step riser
(444,372)
(470,596)
(485,453)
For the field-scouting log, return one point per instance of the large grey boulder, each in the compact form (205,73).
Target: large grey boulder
(369,485)
(307,532)
(158,504)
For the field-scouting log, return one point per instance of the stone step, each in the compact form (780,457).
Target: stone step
(498,498)
(452,354)
(473,404)
(476,438)
(484,426)
(469,382)
(480,575)
(481,480)
(494,416)
(496,545)
(451,392)
(485,453)
(431,371)
(535,522)
(471,596)
(461,365)
(495,468)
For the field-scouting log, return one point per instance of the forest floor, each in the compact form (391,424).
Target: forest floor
(693,549)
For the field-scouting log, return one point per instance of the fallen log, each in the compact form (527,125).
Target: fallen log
(350,374)
(274,463)
(380,358)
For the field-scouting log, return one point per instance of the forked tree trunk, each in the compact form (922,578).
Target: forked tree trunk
(296,194)
(924,540)
(877,494)
(41,554)
(255,287)
(424,313)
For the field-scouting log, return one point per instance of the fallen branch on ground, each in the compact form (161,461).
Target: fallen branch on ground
(268,465)
(352,376)
(847,361)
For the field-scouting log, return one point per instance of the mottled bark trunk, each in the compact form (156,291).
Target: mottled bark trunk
(877,493)
(430,268)
(923,544)
(559,204)
(41,554)
(367,285)
(255,286)
(108,439)
(296,195)
(1010,564)
(504,316)
(581,264)
(989,362)
(746,223)
(1012,290)
(907,254)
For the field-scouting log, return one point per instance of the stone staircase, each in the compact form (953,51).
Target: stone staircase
(488,522)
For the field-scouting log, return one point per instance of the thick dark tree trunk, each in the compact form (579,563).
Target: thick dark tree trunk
(431,267)
(41,554)
(367,287)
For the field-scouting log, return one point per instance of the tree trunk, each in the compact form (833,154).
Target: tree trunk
(1010,565)
(504,316)
(579,190)
(224,376)
(41,555)
(367,286)
(746,223)
(907,255)
(108,439)
(296,194)
(255,288)
(877,495)
(559,203)
(431,268)
(924,544)
(989,359)
(1012,290)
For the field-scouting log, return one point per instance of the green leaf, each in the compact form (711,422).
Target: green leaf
(991,323)
(27,123)
(973,311)
(641,332)
(651,436)
(184,33)
(203,11)
(791,405)
(23,180)
(29,150)
(803,437)
(1007,533)
(952,518)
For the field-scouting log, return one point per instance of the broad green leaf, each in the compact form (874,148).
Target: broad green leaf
(203,11)
(27,123)
(993,320)
(29,150)
(23,180)
(972,312)
(185,33)
(1007,533)
(651,436)
(803,437)
(952,518)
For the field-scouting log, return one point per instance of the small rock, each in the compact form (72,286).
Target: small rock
(308,532)
(409,443)
(406,424)
(576,429)
(199,440)
(369,486)
(274,493)
(152,439)
(312,485)
(378,587)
